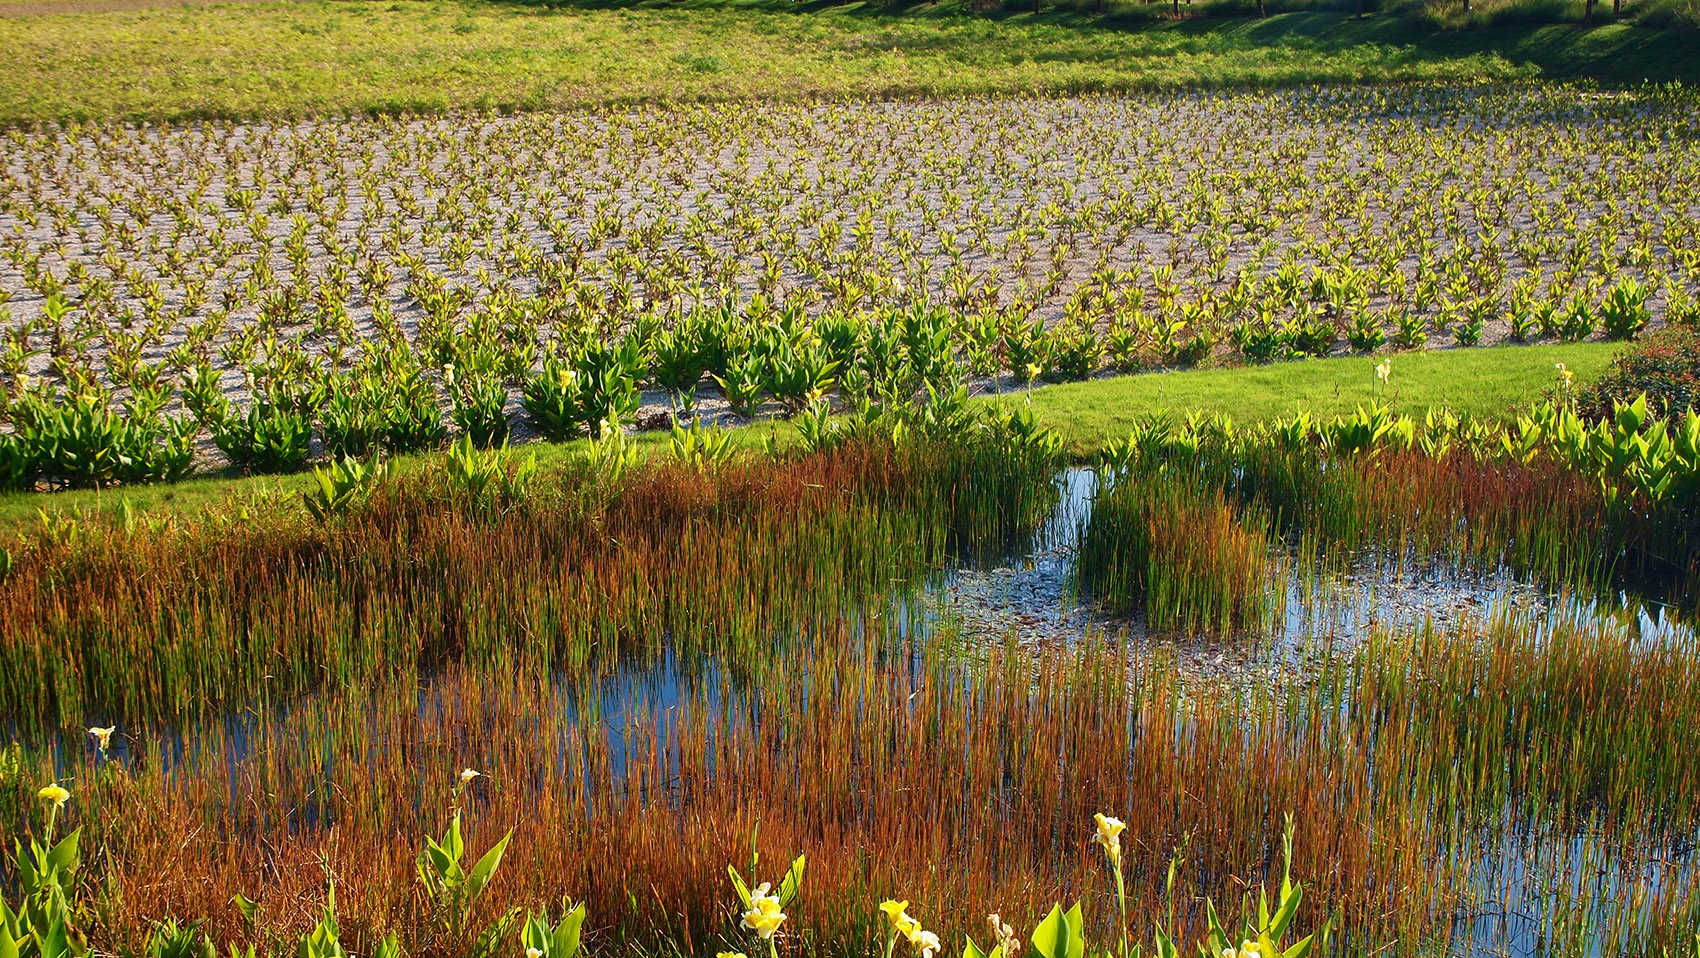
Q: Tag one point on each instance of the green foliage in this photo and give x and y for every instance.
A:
(1368, 430)
(80, 441)
(799, 376)
(1268, 928)
(558, 940)
(1623, 312)
(173, 940)
(609, 397)
(44, 872)
(743, 384)
(267, 438)
(452, 888)
(480, 409)
(346, 484)
(700, 448)
(553, 400)
(484, 478)
(1061, 934)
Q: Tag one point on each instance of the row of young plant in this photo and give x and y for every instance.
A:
(1275, 219)
(1187, 523)
(393, 397)
(51, 910)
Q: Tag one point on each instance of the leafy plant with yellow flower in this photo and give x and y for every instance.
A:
(763, 908)
(42, 926)
(452, 888)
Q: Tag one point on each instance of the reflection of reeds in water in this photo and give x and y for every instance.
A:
(1414, 770)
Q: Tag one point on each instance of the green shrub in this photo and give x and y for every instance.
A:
(267, 438)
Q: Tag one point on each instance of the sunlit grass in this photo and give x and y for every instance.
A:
(324, 57)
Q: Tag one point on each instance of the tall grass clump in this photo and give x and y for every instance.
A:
(1180, 551)
(1553, 496)
(1417, 770)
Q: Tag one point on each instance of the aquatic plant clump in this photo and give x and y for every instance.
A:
(1179, 552)
(601, 563)
(1592, 505)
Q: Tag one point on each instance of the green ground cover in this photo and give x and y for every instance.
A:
(327, 57)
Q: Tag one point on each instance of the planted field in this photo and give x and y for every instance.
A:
(262, 295)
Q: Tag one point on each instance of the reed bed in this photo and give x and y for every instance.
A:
(217, 613)
(1180, 551)
(649, 671)
(1418, 772)
(1538, 519)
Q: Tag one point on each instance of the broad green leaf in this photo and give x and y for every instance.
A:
(1284, 914)
(565, 942)
(1076, 925)
(793, 881)
(1050, 939)
(1165, 945)
(486, 867)
(1218, 938)
(738, 886)
(249, 908)
(534, 935)
(64, 858)
(452, 842)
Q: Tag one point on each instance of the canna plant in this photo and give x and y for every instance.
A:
(342, 487)
(700, 449)
(540, 939)
(1264, 933)
(483, 477)
(452, 888)
(553, 400)
(43, 925)
(762, 907)
(743, 384)
(479, 408)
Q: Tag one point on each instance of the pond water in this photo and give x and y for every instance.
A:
(1534, 890)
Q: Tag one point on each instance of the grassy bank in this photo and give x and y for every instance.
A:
(1479, 382)
(327, 57)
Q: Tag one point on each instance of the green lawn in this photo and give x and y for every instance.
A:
(1494, 382)
(341, 56)
(1483, 382)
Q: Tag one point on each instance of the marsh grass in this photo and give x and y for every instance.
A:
(208, 613)
(1179, 551)
(643, 671)
(1414, 767)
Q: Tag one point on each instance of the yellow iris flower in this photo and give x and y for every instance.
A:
(1110, 836)
(764, 916)
(898, 912)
